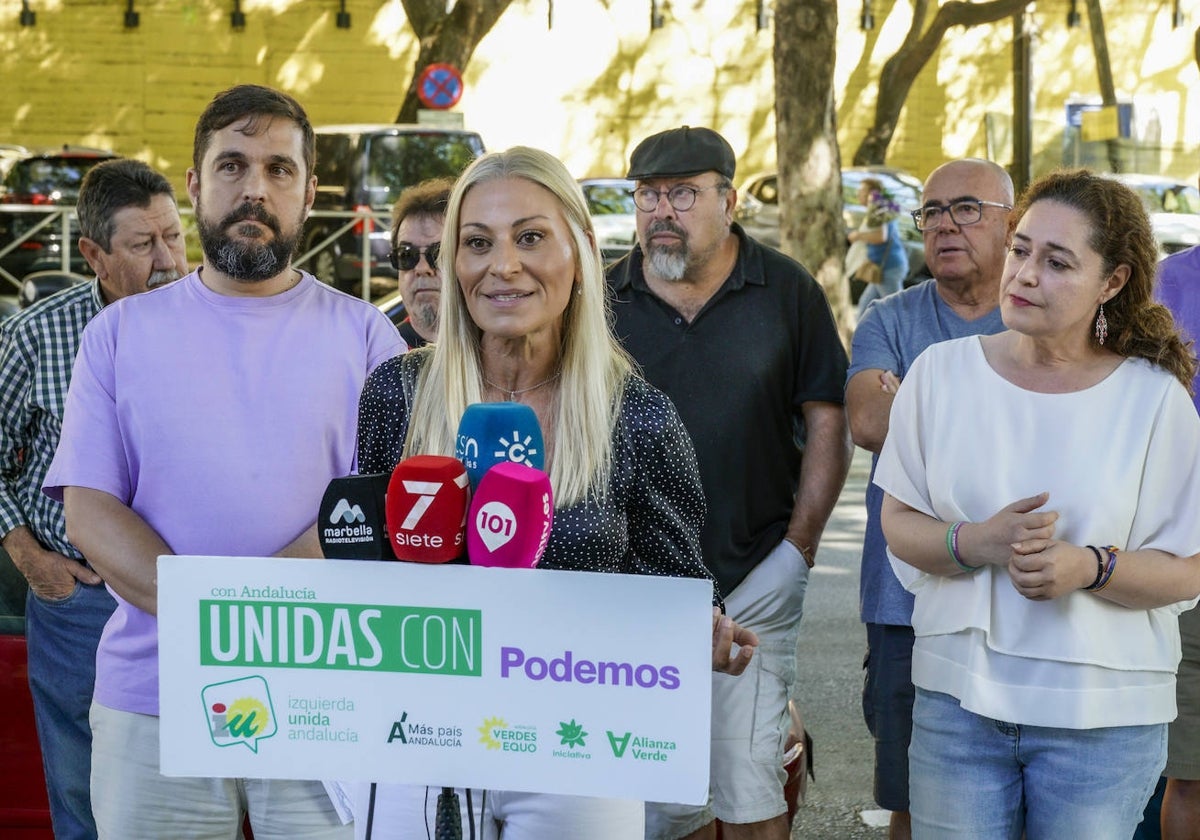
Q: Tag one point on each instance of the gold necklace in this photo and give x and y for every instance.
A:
(512, 395)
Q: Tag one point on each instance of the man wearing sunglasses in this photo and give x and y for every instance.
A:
(417, 221)
(964, 219)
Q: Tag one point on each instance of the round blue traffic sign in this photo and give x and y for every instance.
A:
(440, 86)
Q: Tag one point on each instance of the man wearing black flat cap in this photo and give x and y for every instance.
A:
(743, 341)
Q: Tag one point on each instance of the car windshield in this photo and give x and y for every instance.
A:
(396, 161)
(54, 178)
(610, 199)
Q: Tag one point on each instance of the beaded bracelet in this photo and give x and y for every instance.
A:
(952, 547)
(1109, 569)
(1099, 570)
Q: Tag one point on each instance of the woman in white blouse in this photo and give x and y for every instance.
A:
(1043, 490)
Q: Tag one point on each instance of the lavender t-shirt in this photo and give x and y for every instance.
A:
(1179, 290)
(219, 420)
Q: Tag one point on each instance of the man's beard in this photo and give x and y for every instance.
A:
(667, 262)
(247, 260)
(426, 315)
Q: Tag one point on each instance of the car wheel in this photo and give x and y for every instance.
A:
(324, 266)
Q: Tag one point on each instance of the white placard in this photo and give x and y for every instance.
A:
(528, 680)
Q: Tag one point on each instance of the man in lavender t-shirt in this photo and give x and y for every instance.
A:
(206, 417)
(1179, 289)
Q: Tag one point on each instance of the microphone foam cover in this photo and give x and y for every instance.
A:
(493, 433)
(511, 514)
(350, 520)
(426, 508)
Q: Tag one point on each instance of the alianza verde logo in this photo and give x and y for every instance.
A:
(239, 712)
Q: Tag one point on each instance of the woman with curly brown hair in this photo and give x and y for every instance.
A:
(1041, 506)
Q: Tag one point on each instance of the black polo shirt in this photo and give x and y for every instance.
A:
(411, 337)
(763, 345)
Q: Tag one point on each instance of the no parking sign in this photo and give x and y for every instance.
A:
(440, 86)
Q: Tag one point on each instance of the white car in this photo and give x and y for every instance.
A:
(610, 201)
(1174, 208)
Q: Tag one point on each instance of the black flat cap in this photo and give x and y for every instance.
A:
(681, 151)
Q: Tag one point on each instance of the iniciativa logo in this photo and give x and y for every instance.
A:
(343, 511)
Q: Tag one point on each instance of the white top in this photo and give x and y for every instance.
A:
(1121, 461)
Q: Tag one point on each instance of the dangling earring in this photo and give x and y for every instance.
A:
(1101, 326)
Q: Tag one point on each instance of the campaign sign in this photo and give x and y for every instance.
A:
(453, 675)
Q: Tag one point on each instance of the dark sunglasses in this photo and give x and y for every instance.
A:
(406, 257)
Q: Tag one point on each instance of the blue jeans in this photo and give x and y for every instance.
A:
(970, 776)
(61, 637)
(892, 282)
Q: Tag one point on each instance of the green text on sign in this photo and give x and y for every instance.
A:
(344, 637)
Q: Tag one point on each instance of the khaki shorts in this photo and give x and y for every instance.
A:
(750, 719)
(1183, 734)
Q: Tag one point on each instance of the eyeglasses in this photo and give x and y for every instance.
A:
(406, 257)
(680, 197)
(966, 211)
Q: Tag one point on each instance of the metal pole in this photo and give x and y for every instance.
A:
(368, 225)
(1022, 103)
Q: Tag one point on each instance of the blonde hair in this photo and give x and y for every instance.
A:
(594, 367)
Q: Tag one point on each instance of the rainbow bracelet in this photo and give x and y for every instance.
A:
(952, 547)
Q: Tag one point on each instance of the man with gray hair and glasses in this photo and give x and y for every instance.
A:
(964, 220)
(132, 238)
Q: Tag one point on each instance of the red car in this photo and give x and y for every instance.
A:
(24, 810)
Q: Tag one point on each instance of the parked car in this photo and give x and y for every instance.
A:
(759, 200)
(392, 305)
(761, 193)
(10, 153)
(24, 809)
(42, 284)
(49, 178)
(363, 168)
(610, 201)
(1174, 208)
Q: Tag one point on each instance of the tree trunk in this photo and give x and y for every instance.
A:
(807, 148)
(900, 71)
(1108, 91)
(446, 38)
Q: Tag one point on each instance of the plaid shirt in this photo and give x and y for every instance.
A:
(37, 352)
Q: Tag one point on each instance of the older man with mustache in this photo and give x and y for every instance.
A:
(742, 340)
(132, 238)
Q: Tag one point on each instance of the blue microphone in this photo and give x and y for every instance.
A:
(497, 433)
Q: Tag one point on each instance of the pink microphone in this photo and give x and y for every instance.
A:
(510, 517)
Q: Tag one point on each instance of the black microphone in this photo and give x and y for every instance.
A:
(448, 820)
(352, 521)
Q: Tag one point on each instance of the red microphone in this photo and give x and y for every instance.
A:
(511, 514)
(426, 508)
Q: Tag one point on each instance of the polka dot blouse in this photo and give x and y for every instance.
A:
(649, 520)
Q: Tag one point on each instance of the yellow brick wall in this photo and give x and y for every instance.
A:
(587, 88)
